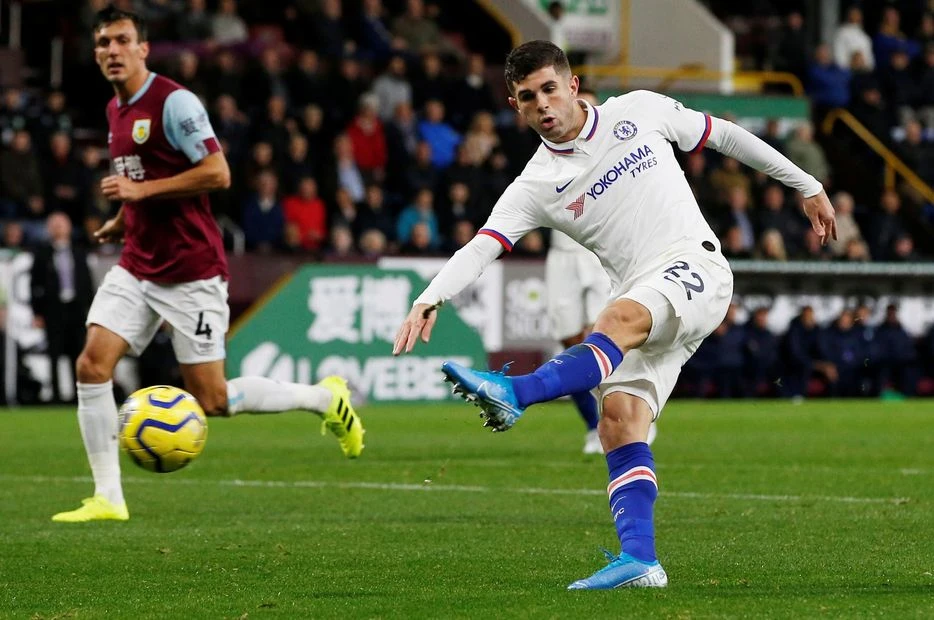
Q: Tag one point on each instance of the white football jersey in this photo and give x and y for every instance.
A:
(616, 189)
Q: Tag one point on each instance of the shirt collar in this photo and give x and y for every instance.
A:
(587, 132)
(141, 91)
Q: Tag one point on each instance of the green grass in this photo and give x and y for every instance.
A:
(767, 510)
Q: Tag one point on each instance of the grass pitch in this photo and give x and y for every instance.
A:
(766, 510)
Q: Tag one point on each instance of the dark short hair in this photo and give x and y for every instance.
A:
(532, 56)
(110, 14)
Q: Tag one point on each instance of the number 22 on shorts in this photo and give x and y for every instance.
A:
(694, 284)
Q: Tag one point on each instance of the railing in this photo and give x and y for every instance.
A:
(893, 165)
(668, 77)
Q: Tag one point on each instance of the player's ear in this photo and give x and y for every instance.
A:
(144, 49)
(575, 85)
(513, 103)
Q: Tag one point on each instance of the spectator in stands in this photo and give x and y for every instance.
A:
(344, 172)
(437, 132)
(430, 82)
(319, 136)
(925, 93)
(789, 49)
(54, 117)
(926, 29)
(419, 242)
(274, 127)
(401, 143)
(261, 159)
(828, 85)
(738, 217)
(328, 29)
(803, 354)
(297, 165)
(811, 247)
(420, 211)
(695, 171)
(808, 154)
(773, 136)
(481, 138)
(93, 201)
(887, 226)
(460, 235)
(733, 245)
(63, 180)
(373, 32)
(519, 144)
(856, 251)
(194, 23)
(421, 173)
(847, 228)
(375, 215)
(896, 355)
(761, 354)
(187, 73)
(869, 109)
(232, 126)
(418, 31)
(226, 77)
(903, 250)
(304, 80)
(227, 27)
(459, 206)
(264, 81)
(368, 140)
(346, 212)
(20, 181)
(851, 38)
(373, 243)
(771, 246)
(495, 179)
(464, 170)
(916, 152)
(897, 84)
(775, 215)
(471, 94)
(344, 92)
(392, 88)
(531, 245)
(13, 236)
(890, 37)
(341, 243)
(306, 213)
(60, 293)
(728, 176)
(730, 361)
(263, 218)
(845, 350)
(13, 114)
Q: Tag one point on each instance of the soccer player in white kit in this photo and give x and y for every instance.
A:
(607, 177)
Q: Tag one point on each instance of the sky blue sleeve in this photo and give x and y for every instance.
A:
(187, 126)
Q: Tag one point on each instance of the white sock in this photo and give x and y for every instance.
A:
(262, 395)
(97, 417)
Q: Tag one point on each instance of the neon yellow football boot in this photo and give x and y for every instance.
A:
(341, 419)
(97, 508)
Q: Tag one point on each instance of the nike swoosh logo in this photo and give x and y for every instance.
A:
(563, 187)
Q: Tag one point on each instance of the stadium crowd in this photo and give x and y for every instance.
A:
(365, 128)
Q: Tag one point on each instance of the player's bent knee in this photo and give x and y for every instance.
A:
(91, 369)
(626, 322)
(625, 419)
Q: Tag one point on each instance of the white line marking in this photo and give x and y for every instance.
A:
(430, 487)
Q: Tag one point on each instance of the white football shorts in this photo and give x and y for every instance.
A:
(688, 298)
(578, 288)
(134, 309)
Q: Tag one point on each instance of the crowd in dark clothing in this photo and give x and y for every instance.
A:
(850, 357)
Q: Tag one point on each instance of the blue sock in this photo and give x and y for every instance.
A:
(577, 369)
(587, 406)
(633, 489)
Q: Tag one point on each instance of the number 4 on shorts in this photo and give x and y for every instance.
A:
(203, 328)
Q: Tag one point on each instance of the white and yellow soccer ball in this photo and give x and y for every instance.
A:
(162, 428)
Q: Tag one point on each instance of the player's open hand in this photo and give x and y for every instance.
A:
(111, 231)
(122, 189)
(419, 323)
(819, 210)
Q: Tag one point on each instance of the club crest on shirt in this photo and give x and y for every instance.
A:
(141, 130)
(625, 130)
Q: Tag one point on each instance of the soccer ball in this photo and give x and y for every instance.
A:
(162, 428)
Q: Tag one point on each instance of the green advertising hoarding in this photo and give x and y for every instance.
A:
(324, 320)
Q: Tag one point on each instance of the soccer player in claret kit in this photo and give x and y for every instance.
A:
(172, 268)
(607, 177)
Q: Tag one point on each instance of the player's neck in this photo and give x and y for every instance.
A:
(580, 119)
(128, 89)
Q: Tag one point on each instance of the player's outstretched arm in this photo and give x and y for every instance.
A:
(462, 269)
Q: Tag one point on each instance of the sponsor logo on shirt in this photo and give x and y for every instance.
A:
(577, 208)
(141, 129)
(625, 130)
(635, 162)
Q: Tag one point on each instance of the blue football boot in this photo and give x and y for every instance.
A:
(624, 571)
(491, 391)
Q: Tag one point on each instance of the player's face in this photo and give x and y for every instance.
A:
(118, 51)
(547, 101)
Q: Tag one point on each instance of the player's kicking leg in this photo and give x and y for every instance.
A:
(622, 325)
(97, 417)
(329, 399)
(624, 428)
